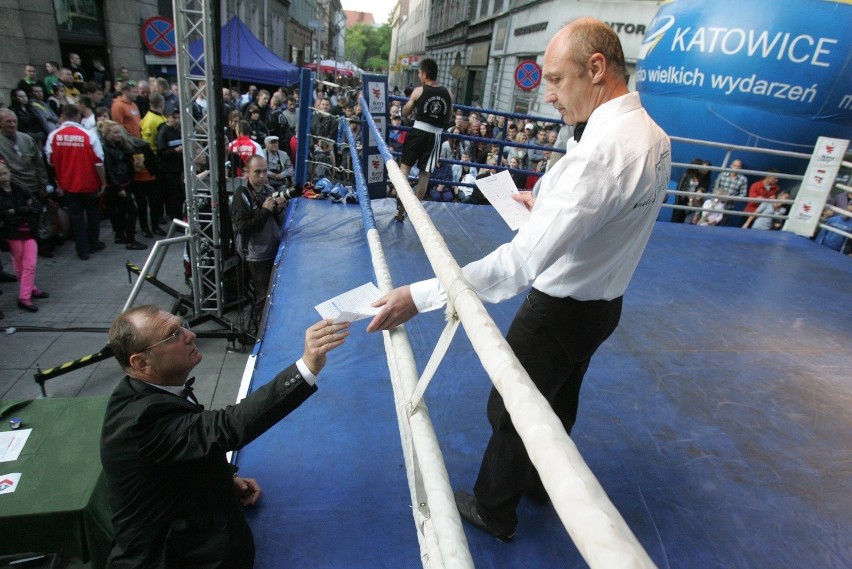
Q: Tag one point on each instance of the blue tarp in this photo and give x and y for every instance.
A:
(245, 58)
(716, 423)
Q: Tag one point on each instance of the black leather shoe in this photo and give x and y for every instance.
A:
(28, 307)
(40, 294)
(469, 510)
(146, 233)
(7, 277)
(136, 246)
(158, 231)
(98, 246)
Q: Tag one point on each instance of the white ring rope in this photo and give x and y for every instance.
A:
(597, 529)
(439, 529)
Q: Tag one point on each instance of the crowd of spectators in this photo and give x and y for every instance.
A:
(493, 150)
(480, 158)
(767, 206)
(80, 145)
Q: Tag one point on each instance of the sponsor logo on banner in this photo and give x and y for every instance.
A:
(375, 168)
(819, 177)
(828, 154)
(805, 211)
(378, 97)
(380, 126)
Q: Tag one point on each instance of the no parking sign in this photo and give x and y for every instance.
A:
(158, 35)
(527, 75)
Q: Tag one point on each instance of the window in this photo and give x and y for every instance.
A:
(483, 7)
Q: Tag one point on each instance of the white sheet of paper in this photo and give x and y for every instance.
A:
(12, 443)
(352, 305)
(498, 189)
(9, 482)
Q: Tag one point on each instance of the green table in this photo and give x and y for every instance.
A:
(61, 504)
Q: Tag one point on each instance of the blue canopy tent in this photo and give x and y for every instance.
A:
(245, 58)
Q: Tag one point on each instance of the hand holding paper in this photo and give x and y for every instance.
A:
(499, 189)
(351, 306)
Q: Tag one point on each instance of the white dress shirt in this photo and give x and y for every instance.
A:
(591, 220)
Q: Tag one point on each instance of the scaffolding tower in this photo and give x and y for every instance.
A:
(203, 156)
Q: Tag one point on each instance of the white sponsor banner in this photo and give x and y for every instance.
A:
(377, 97)
(816, 185)
(375, 168)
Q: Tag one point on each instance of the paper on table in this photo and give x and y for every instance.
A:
(351, 306)
(12, 443)
(9, 482)
(499, 188)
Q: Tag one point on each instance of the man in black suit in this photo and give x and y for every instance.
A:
(176, 500)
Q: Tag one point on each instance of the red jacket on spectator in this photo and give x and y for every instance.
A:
(75, 154)
(762, 189)
(244, 147)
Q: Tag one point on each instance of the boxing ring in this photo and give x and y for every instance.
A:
(712, 430)
(715, 418)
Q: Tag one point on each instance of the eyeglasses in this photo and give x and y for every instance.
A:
(178, 333)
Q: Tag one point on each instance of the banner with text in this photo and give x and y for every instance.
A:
(784, 56)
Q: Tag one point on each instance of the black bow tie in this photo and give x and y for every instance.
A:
(578, 130)
(187, 390)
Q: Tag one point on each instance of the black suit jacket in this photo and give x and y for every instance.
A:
(170, 486)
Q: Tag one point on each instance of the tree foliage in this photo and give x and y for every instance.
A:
(368, 47)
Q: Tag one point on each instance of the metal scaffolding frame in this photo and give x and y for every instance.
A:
(206, 198)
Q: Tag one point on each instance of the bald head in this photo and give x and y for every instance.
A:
(588, 36)
(583, 68)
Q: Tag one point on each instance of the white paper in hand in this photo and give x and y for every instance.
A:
(351, 306)
(499, 188)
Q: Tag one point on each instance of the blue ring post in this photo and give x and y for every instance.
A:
(306, 95)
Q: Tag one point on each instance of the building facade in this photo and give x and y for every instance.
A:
(38, 31)
(412, 27)
(479, 44)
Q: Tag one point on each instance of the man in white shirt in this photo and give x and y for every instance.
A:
(589, 225)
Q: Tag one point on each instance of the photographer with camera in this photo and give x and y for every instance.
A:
(257, 214)
(279, 167)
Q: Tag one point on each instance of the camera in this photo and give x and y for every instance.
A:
(288, 193)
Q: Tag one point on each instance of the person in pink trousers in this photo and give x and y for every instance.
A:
(19, 212)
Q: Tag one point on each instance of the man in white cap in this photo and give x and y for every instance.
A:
(279, 167)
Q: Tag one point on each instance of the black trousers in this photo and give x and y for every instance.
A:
(173, 196)
(147, 200)
(123, 214)
(260, 273)
(85, 213)
(554, 339)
